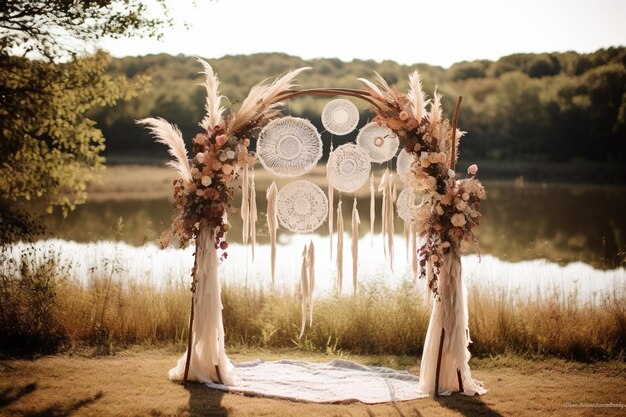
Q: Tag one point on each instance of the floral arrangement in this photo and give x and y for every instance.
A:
(203, 194)
(449, 212)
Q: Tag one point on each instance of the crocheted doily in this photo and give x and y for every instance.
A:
(380, 142)
(407, 201)
(348, 167)
(340, 117)
(289, 146)
(404, 164)
(302, 206)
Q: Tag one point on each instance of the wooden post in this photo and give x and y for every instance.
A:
(189, 341)
(455, 122)
(190, 335)
(443, 335)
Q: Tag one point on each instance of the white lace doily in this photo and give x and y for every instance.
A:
(407, 201)
(302, 206)
(404, 164)
(289, 146)
(380, 142)
(340, 117)
(348, 167)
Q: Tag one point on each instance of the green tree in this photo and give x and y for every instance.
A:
(49, 147)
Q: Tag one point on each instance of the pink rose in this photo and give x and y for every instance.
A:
(221, 140)
(473, 169)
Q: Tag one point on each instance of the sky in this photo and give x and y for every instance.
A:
(436, 32)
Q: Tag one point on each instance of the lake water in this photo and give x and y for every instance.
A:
(536, 240)
(559, 223)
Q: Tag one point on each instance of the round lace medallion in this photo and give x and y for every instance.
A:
(407, 201)
(302, 206)
(404, 165)
(349, 167)
(289, 146)
(340, 117)
(380, 142)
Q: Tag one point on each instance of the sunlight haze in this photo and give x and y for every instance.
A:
(436, 32)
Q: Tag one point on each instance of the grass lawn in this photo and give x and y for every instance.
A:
(134, 383)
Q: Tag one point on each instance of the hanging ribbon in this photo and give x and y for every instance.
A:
(355, 244)
(245, 206)
(331, 203)
(414, 259)
(304, 288)
(272, 225)
(372, 208)
(382, 186)
(252, 214)
(339, 248)
(311, 280)
(391, 192)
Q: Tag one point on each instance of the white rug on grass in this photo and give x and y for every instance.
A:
(336, 381)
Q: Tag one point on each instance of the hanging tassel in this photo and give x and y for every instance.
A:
(339, 248)
(272, 225)
(253, 214)
(382, 186)
(304, 288)
(331, 204)
(391, 196)
(372, 208)
(355, 244)
(414, 259)
(407, 238)
(311, 280)
(245, 205)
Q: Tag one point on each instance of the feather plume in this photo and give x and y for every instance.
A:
(169, 135)
(263, 98)
(416, 96)
(213, 105)
(435, 109)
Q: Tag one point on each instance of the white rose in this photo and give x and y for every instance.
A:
(206, 180)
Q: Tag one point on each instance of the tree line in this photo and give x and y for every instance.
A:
(523, 108)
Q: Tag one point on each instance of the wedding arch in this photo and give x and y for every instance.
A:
(444, 220)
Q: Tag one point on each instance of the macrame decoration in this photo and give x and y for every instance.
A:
(340, 117)
(406, 203)
(348, 167)
(289, 147)
(380, 142)
(372, 208)
(355, 244)
(405, 165)
(339, 248)
(302, 206)
(272, 225)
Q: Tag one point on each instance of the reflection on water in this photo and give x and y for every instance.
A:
(562, 223)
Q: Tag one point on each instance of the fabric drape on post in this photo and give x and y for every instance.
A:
(207, 350)
(449, 313)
